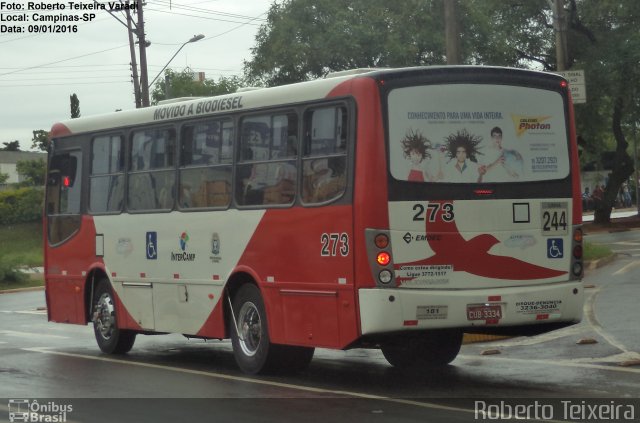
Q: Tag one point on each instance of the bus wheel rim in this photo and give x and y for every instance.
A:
(105, 316)
(250, 327)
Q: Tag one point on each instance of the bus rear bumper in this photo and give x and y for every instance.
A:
(402, 309)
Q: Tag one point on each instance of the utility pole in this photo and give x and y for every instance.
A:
(560, 26)
(144, 76)
(134, 62)
(452, 32)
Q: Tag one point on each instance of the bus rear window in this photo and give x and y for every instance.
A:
(466, 133)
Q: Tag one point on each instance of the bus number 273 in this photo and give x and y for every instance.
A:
(334, 244)
(431, 212)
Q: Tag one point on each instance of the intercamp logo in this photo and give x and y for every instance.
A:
(24, 410)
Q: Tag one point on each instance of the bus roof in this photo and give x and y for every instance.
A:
(244, 100)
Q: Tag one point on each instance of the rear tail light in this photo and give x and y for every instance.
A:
(383, 258)
(381, 241)
(577, 251)
(577, 267)
(380, 257)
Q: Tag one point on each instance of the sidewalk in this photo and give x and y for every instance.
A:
(621, 220)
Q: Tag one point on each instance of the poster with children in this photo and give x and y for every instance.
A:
(466, 133)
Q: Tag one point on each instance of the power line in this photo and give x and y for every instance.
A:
(173, 5)
(63, 60)
(248, 22)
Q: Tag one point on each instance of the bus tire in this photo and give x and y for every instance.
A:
(426, 351)
(110, 338)
(253, 351)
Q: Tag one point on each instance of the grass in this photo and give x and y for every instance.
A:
(21, 245)
(32, 281)
(595, 251)
(22, 242)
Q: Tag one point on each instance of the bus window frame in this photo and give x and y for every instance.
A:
(237, 160)
(70, 145)
(400, 189)
(123, 136)
(350, 107)
(222, 119)
(128, 160)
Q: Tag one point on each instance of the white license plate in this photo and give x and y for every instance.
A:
(484, 312)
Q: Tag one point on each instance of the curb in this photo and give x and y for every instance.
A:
(13, 291)
(596, 264)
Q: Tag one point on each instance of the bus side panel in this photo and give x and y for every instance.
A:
(66, 271)
(303, 259)
(370, 186)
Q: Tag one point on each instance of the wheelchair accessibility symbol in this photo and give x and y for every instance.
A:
(152, 245)
(555, 249)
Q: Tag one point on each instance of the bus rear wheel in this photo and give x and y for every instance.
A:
(110, 338)
(425, 351)
(252, 349)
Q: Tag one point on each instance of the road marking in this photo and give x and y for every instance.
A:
(626, 268)
(30, 334)
(427, 405)
(47, 350)
(590, 313)
(39, 312)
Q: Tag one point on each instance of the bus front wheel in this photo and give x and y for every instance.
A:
(110, 338)
(427, 350)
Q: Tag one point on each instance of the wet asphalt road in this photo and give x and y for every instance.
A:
(170, 378)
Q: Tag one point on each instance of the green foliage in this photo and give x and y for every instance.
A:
(34, 171)
(40, 140)
(9, 272)
(4, 177)
(596, 251)
(21, 205)
(11, 146)
(75, 106)
(21, 243)
(20, 247)
(306, 39)
(181, 84)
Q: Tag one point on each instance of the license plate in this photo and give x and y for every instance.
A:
(484, 312)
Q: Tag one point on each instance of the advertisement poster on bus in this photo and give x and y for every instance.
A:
(466, 133)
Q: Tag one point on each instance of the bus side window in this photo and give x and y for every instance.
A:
(64, 188)
(106, 186)
(151, 183)
(205, 165)
(267, 169)
(325, 154)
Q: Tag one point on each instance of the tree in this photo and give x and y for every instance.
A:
(40, 140)
(34, 171)
(606, 43)
(11, 146)
(306, 39)
(182, 84)
(75, 106)
(4, 177)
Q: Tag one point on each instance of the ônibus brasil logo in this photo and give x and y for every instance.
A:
(24, 410)
(183, 255)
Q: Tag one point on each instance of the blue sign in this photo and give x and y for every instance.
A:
(555, 248)
(151, 242)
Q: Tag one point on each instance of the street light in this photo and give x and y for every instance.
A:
(192, 40)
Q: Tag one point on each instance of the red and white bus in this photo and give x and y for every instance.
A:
(392, 209)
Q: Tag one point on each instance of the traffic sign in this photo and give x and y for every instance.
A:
(577, 85)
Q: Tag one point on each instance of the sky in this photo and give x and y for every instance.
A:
(40, 71)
